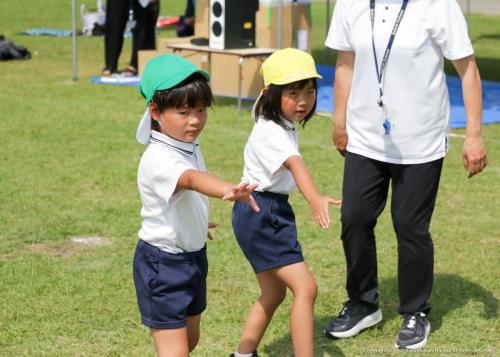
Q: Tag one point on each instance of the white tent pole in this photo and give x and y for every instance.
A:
(280, 24)
(328, 19)
(327, 16)
(468, 13)
(73, 13)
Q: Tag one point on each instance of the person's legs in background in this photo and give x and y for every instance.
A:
(189, 13)
(185, 27)
(116, 19)
(144, 32)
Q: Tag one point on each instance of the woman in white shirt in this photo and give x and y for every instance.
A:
(391, 122)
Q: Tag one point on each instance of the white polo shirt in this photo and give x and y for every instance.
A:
(414, 80)
(267, 148)
(174, 220)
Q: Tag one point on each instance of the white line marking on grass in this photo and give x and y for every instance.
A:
(453, 135)
(68, 248)
(89, 240)
(462, 136)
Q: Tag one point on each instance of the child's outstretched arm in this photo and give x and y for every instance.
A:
(305, 183)
(212, 186)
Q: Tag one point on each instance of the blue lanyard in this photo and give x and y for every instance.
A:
(380, 73)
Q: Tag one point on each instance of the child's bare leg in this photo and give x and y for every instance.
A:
(298, 278)
(193, 330)
(171, 342)
(273, 291)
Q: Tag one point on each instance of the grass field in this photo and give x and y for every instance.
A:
(68, 169)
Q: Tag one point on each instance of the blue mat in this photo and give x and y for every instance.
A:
(491, 98)
(49, 32)
(117, 80)
(59, 32)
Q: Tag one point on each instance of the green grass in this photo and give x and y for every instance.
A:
(68, 168)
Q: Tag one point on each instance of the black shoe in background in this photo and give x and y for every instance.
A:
(414, 331)
(353, 318)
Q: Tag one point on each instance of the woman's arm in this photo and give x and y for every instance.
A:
(473, 152)
(213, 186)
(305, 183)
(342, 86)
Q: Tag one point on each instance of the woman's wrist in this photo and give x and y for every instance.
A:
(474, 133)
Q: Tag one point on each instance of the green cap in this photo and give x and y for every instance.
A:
(164, 72)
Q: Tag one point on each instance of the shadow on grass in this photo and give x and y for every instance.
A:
(323, 347)
(491, 36)
(324, 56)
(488, 68)
(450, 292)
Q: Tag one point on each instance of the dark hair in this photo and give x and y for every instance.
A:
(269, 104)
(191, 92)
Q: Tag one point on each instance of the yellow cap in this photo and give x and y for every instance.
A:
(287, 66)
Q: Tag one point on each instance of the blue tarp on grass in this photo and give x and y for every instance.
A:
(491, 98)
(491, 95)
(117, 80)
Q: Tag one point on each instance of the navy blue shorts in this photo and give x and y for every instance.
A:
(267, 238)
(169, 287)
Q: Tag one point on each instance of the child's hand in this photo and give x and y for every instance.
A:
(211, 225)
(319, 208)
(242, 192)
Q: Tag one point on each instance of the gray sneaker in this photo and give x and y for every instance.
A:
(414, 331)
(352, 320)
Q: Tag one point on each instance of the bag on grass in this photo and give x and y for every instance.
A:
(10, 51)
(93, 22)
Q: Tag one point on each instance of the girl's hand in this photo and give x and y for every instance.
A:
(211, 225)
(242, 192)
(319, 208)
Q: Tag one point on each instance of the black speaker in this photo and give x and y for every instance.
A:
(232, 23)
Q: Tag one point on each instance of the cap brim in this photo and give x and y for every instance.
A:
(143, 133)
(294, 79)
(204, 74)
(171, 82)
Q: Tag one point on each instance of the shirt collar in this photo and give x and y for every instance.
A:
(287, 123)
(165, 140)
(290, 125)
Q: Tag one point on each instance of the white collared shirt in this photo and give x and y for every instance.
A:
(173, 220)
(414, 80)
(266, 150)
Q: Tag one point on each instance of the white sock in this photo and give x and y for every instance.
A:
(236, 354)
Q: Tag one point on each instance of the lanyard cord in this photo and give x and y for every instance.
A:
(380, 73)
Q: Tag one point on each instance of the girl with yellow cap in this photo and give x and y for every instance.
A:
(269, 238)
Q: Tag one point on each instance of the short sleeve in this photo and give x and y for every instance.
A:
(274, 145)
(164, 178)
(338, 35)
(449, 30)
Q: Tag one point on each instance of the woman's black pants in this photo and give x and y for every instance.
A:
(364, 195)
(143, 34)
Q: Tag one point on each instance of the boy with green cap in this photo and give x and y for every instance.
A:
(170, 262)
